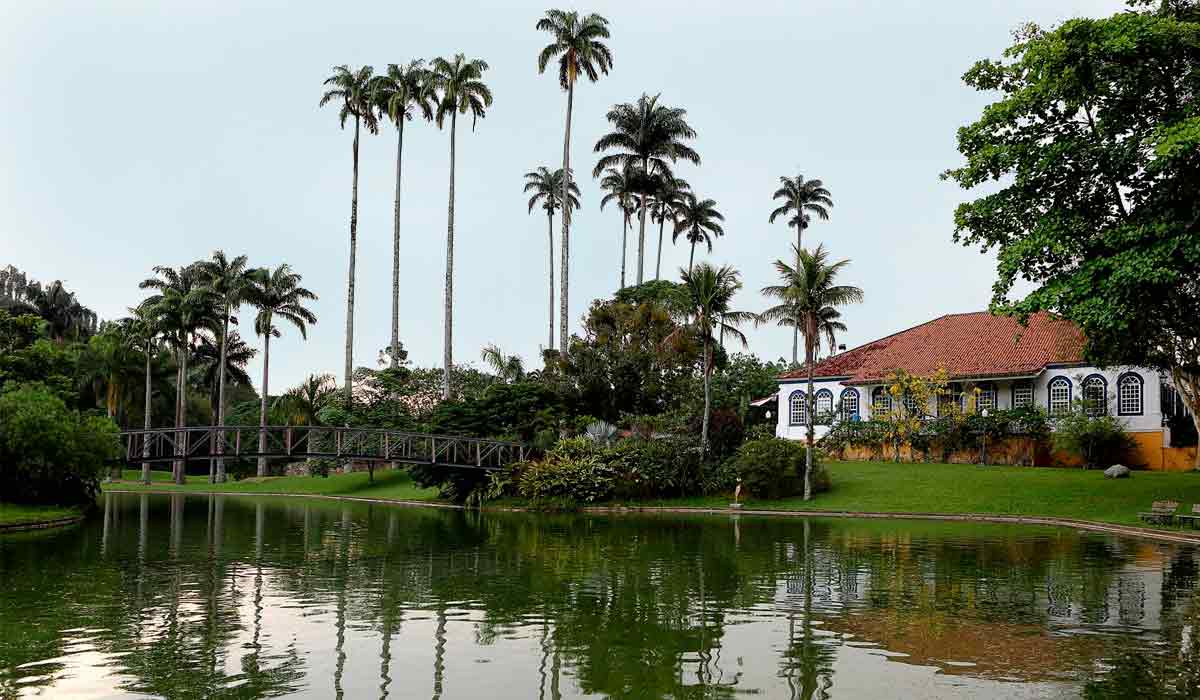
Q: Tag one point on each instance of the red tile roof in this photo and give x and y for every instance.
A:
(973, 345)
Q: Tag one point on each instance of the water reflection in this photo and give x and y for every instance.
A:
(228, 596)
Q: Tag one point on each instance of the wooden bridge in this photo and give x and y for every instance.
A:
(297, 442)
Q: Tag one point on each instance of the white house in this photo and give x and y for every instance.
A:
(1011, 365)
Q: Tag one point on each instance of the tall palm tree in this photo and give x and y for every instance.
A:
(669, 194)
(461, 89)
(400, 94)
(801, 199)
(786, 314)
(229, 280)
(183, 306)
(276, 294)
(621, 186)
(697, 220)
(649, 135)
(811, 291)
(65, 317)
(351, 90)
(145, 327)
(548, 188)
(710, 293)
(578, 46)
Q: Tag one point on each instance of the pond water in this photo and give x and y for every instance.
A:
(231, 596)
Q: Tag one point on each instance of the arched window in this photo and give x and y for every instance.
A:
(824, 407)
(1095, 395)
(881, 401)
(1022, 394)
(797, 408)
(849, 404)
(1058, 398)
(1129, 394)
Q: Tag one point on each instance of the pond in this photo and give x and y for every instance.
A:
(230, 596)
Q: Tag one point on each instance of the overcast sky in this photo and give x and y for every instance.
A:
(135, 134)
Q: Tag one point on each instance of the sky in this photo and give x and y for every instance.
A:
(135, 134)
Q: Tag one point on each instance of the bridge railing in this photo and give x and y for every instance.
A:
(308, 442)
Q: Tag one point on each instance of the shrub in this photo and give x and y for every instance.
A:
(655, 468)
(774, 468)
(48, 453)
(1098, 440)
(572, 471)
(725, 432)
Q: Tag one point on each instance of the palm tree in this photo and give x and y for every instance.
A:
(400, 94)
(65, 317)
(801, 198)
(650, 135)
(786, 313)
(228, 280)
(698, 220)
(668, 194)
(351, 89)
(183, 306)
(461, 87)
(509, 368)
(710, 292)
(144, 326)
(547, 188)
(303, 403)
(810, 291)
(276, 294)
(621, 186)
(578, 46)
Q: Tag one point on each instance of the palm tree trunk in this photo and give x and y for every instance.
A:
(550, 238)
(796, 329)
(641, 239)
(658, 263)
(262, 408)
(350, 278)
(146, 423)
(691, 256)
(707, 397)
(448, 338)
(808, 452)
(624, 245)
(220, 476)
(566, 225)
(181, 412)
(396, 250)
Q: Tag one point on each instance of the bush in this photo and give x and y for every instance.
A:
(48, 453)
(774, 468)
(659, 468)
(572, 471)
(1098, 440)
(725, 432)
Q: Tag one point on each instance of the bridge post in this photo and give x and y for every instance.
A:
(337, 439)
(432, 450)
(287, 440)
(237, 443)
(387, 447)
(479, 454)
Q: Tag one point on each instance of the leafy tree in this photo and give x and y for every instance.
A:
(697, 221)
(811, 289)
(1094, 142)
(802, 199)
(650, 137)
(399, 94)
(669, 195)
(547, 188)
(621, 187)
(461, 89)
(579, 47)
(26, 356)
(276, 294)
(509, 368)
(304, 403)
(352, 91)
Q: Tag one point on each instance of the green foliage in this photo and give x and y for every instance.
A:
(772, 468)
(1099, 440)
(941, 435)
(660, 468)
(725, 432)
(50, 454)
(573, 471)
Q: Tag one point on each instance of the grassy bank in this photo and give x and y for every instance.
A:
(857, 486)
(14, 515)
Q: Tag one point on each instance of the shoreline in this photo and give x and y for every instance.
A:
(1171, 536)
(42, 524)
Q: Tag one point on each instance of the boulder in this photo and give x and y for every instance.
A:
(1117, 471)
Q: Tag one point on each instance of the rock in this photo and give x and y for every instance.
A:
(1117, 471)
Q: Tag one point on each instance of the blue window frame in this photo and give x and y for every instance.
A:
(797, 408)
(1095, 394)
(848, 404)
(823, 407)
(1058, 396)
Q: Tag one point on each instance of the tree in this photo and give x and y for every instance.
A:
(669, 195)
(622, 188)
(1095, 142)
(802, 199)
(229, 280)
(578, 46)
(184, 305)
(144, 325)
(697, 221)
(352, 91)
(648, 135)
(547, 188)
(276, 294)
(810, 289)
(509, 368)
(710, 291)
(399, 94)
(303, 403)
(461, 87)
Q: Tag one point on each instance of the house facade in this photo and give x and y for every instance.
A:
(999, 362)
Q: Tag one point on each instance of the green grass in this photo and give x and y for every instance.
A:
(11, 514)
(394, 485)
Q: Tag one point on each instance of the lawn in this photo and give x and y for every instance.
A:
(11, 514)
(394, 485)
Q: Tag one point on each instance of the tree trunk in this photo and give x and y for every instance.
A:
(396, 250)
(550, 238)
(448, 338)
(810, 440)
(641, 239)
(146, 422)
(1188, 386)
(796, 329)
(350, 278)
(181, 412)
(220, 475)
(262, 408)
(563, 313)
(624, 245)
(707, 397)
(691, 256)
(658, 262)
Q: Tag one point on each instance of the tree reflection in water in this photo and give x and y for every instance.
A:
(229, 596)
